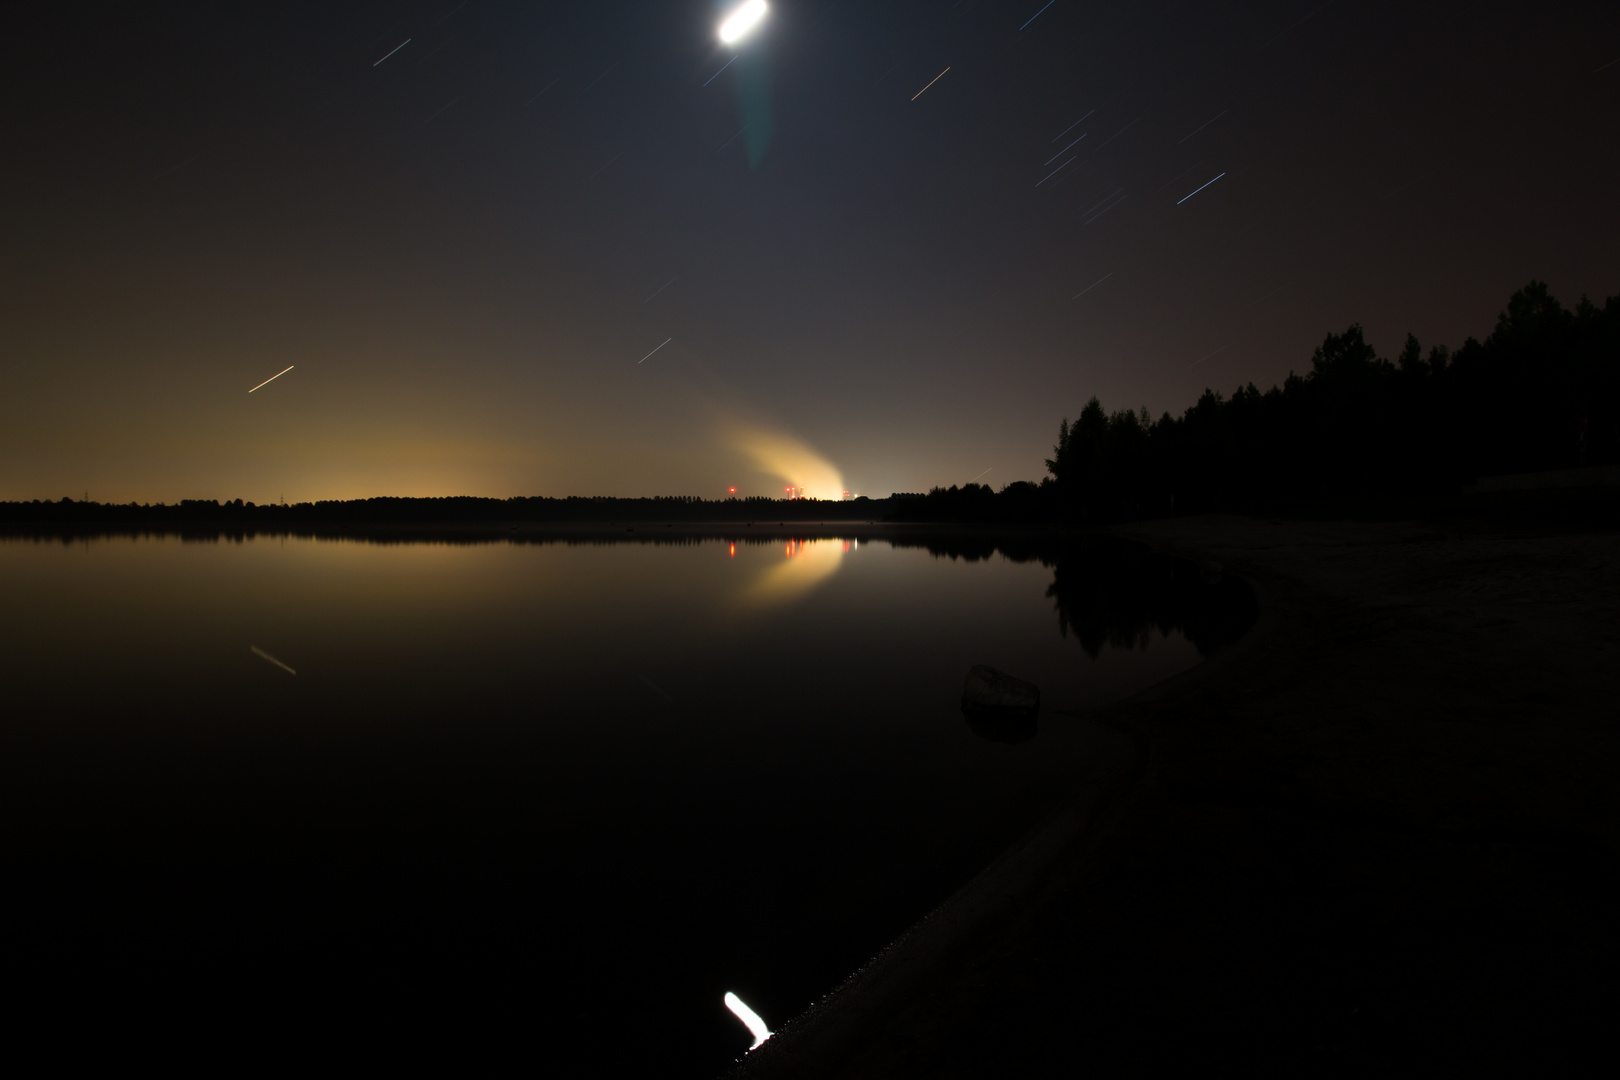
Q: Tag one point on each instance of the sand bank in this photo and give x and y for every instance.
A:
(1381, 828)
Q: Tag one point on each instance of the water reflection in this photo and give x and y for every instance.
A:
(1117, 595)
(569, 751)
(1013, 728)
(798, 567)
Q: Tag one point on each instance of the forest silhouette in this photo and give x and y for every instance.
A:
(1541, 392)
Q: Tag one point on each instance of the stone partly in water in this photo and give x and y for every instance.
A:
(990, 692)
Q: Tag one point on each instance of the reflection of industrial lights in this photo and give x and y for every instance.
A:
(741, 21)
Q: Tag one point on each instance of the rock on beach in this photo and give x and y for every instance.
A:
(990, 691)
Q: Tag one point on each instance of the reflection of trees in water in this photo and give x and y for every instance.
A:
(1107, 592)
(1115, 593)
(1118, 595)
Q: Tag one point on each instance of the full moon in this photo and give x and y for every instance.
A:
(741, 21)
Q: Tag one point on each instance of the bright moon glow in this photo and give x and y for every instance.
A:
(742, 20)
(756, 1026)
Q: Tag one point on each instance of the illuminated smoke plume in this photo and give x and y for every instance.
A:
(792, 463)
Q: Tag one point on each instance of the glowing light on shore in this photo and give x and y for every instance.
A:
(796, 465)
(741, 21)
(750, 1018)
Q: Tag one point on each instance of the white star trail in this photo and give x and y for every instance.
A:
(1037, 15)
(1105, 209)
(261, 654)
(1188, 196)
(655, 688)
(1055, 171)
(1063, 151)
(1072, 126)
(662, 287)
(604, 168)
(931, 82)
(273, 378)
(1206, 123)
(1104, 199)
(1093, 285)
(723, 67)
(644, 359)
(394, 50)
(537, 97)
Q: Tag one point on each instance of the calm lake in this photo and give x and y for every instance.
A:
(559, 792)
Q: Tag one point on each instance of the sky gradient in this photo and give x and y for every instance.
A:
(467, 248)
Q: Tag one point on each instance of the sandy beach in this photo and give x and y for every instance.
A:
(1378, 830)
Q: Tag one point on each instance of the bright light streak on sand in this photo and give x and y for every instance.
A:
(931, 82)
(750, 1018)
(742, 21)
(273, 378)
(261, 654)
(394, 50)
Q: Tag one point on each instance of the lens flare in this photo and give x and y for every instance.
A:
(741, 21)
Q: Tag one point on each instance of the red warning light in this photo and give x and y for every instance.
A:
(733, 491)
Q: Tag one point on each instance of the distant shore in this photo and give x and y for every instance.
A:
(432, 512)
(1570, 496)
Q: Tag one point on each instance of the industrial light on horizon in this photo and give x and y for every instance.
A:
(742, 21)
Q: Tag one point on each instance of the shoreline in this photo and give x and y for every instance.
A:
(1337, 839)
(543, 531)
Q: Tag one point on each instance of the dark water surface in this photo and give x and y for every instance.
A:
(554, 795)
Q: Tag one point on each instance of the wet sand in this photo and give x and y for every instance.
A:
(1379, 830)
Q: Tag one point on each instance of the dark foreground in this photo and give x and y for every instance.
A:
(1379, 831)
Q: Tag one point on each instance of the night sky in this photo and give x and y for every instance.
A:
(466, 248)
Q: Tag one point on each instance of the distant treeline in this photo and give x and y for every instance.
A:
(453, 510)
(1541, 392)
